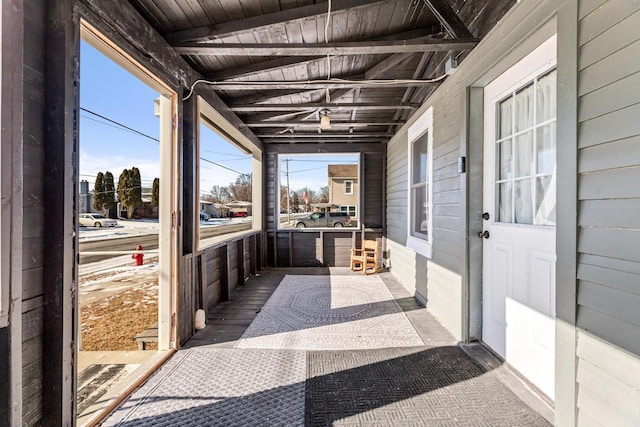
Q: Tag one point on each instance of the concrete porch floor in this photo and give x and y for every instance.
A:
(212, 380)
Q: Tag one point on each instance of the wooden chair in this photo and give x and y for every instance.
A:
(365, 259)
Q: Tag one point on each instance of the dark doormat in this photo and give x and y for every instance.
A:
(416, 386)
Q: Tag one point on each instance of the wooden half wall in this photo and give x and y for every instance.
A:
(324, 247)
(209, 276)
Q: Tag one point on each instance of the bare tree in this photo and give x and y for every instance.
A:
(220, 194)
(323, 196)
(241, 189)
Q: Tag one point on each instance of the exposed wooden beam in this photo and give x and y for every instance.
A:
(315, 49)
(266, 96)
(418, 72)
(260, 67)
(318, 84)
(315, 124)
(269, 117)
(327, 135)
(448, 18)
(375, 71)
(259, 22)
(280, 63)
(330, 106)
(321, 141)
(386, 64)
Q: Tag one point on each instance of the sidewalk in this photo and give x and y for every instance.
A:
(330, 347)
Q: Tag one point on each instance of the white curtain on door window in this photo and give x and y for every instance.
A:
(546, 97)
(524, 156)
(546, 151)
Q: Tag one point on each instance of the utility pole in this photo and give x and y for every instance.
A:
(288, 193)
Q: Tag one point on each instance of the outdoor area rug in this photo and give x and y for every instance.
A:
(439, 386)
(330, 313)
(220, 387)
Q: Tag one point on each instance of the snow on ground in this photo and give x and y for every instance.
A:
(139, 227)
(125, 228)
(101, 279)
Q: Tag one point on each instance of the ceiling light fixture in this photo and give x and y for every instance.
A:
(325, 121)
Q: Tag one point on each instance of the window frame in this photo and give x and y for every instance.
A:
(279, 182)
(348, 193)
(533, 81)
(207, 116)
(417, 241)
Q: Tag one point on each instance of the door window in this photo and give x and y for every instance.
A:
(526, 154)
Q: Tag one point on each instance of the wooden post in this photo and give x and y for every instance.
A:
(61, 55)
(240, 261)
(253, 254)
(225, 294)
(11, 217)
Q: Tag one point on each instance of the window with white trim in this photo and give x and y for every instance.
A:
(348, 187)
(526, 154)
(420, 177)
(226, 164)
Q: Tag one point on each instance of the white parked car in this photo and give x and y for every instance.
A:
(96, 220)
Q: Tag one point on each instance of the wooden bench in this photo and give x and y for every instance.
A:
(148, 335)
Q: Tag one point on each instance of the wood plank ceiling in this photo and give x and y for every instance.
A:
(281, 64)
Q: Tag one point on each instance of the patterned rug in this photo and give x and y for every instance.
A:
(330, 313)
(220, 387)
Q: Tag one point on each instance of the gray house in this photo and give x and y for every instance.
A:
(499, 162)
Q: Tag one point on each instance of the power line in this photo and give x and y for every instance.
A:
(152, 138)
(121, 125)
(323, 161)
(219, 165)
(240, 156)
(305, 170)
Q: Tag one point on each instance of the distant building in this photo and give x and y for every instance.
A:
(147, 210)
(324, 207)
(85, 201)
(213, 210)
(343, 188)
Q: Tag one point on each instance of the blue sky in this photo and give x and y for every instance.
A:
(112, 92)
(109, 90)
(311, 170)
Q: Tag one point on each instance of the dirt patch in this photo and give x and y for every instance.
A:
(112, 323)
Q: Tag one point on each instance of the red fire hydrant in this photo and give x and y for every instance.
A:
(139, 256)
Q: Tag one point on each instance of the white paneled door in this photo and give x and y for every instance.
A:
(519, 226)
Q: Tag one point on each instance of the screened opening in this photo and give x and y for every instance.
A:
(126, 258)
(225, 180)
(319, 191)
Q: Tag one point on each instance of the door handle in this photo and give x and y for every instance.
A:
(483, 234)
(486, 216)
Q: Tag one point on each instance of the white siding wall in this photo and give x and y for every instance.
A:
(609, 378)
(436, 281)
(609, 202)
(445, 270)
(606, 383)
